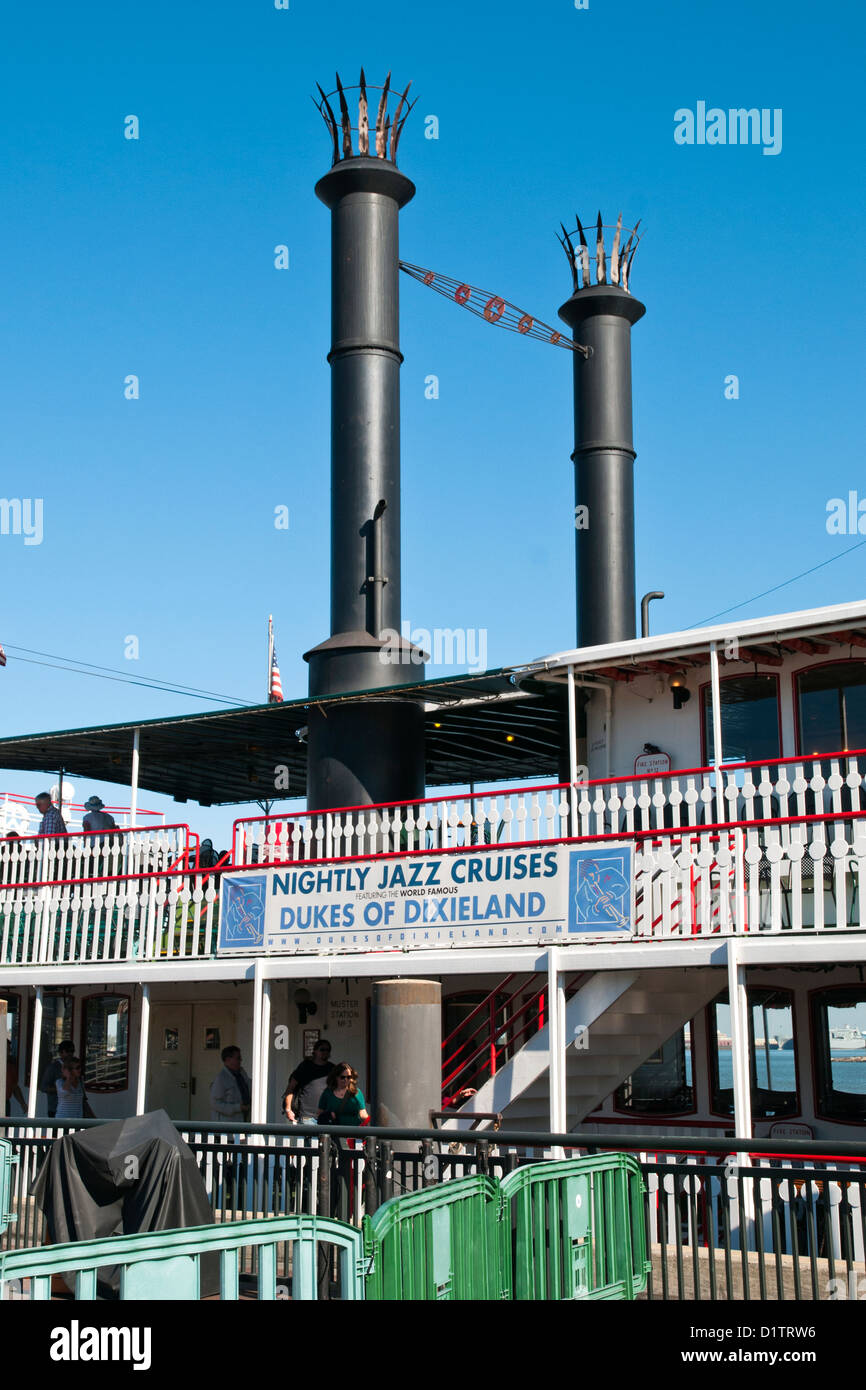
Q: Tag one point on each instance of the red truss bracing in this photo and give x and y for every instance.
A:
(492, 308)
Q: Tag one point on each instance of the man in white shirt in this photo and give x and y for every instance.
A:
(230, 1092)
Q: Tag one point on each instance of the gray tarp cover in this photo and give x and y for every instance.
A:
(88, 1188)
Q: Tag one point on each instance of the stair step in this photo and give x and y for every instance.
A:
(615, 1044)
(640, 1002)
(605, 1076)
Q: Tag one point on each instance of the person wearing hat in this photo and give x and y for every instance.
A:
(97, 817)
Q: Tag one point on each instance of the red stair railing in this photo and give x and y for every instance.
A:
(498, 1031)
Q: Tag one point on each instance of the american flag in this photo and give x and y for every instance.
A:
(275, 692)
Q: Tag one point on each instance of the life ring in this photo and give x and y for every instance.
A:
(429, 277)
(525, 323)
(493, 309)
(462, 293)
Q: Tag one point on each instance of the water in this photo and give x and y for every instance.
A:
(847, 1076)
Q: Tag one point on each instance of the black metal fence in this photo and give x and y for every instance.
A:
(750, 1219)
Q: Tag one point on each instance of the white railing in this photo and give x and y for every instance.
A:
(793, 787)
(160, 918)
(104, 854)
(457, 822)
(779, 877)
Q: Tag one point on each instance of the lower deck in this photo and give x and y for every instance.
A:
(647, 1033)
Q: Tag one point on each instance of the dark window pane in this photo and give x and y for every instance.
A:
(662, 1085)
(750, 719)
(832, 703)
(774, 1067)
(13, 1022)
(106, 1042)
(838, 1019)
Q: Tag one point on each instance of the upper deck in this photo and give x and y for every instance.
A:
(788, 830)
(758, 827)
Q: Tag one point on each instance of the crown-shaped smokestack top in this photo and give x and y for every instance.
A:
(385, 133)
(621, 256)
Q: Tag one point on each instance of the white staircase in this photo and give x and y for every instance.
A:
(621, 1018)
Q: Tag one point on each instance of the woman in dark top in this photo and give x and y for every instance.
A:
(341, 1102)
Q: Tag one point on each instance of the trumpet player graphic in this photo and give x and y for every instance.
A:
(600, 892)
(243, 912)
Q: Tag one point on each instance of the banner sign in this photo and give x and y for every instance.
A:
(530, 896)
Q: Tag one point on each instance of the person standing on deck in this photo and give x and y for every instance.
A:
(13, 1090)
(305, 1085)
(341, 1101)
(72, 1103)
(97, 817)
(52, 823)
(53, 1072)
(230, 1093)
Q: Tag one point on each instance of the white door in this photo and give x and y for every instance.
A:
(213, 1028)
(168, 1073)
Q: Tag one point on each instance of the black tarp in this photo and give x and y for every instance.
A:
(129, 1175)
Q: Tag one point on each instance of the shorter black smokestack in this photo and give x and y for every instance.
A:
(600, 315)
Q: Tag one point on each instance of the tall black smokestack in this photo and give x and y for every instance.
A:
(601, 316)
(365, 752)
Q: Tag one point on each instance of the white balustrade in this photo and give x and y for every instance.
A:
(56, 859)
(161, 918)
(797, 788)
(125, 895)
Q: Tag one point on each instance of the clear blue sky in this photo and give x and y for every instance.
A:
(155, 257)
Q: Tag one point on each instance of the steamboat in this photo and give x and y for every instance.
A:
(591, 890)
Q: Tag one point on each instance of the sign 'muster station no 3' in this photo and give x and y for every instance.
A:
(492, 898)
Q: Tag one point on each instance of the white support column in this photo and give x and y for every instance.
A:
(716, 698)
(265, 1052)
(133, 799)
(33, 1088)
(740, 1058)
(255, 1079)
(556, 1044)
(572, 753)
(143, 1038)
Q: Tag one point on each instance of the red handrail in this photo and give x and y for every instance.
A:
(562, 786)
(64, 836)
(498, 1022)
(468, 1019)
(179, 867)
(659, 832)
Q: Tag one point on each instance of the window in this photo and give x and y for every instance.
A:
(838, 1024)
(106, 1042)
(831, 704)
(750, 719)
(57, 1019)
(13, 1026)
(773, 1057)
(662, 1085)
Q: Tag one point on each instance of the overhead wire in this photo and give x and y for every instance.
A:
(776, 587)
(193, 692)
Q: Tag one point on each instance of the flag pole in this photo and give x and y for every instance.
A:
(270, 654)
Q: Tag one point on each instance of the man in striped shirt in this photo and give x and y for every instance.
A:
(52, 823)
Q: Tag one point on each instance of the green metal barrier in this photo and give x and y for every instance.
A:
(560, 1230)
(576, 1228)
(7, 1158)
(443, 1242)
(166, 1264)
